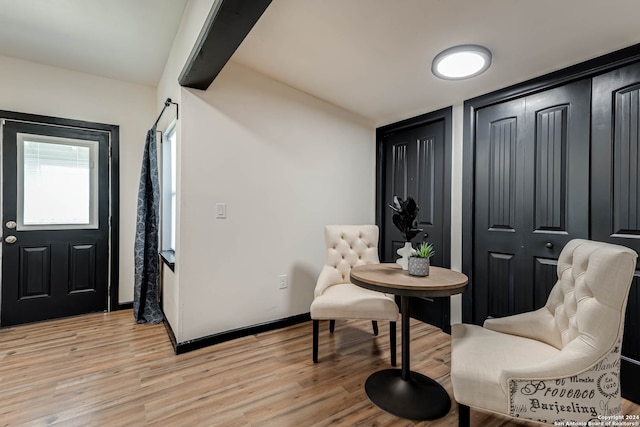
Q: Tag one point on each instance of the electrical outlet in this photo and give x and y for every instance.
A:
(282, 281)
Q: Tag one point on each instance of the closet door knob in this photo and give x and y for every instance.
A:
(549, 245)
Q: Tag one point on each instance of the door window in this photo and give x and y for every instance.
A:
(57, 183)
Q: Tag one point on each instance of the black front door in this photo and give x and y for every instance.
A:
(531, 196)
(55, 230)
(415, 164)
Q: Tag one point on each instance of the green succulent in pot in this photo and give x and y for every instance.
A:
(425, 250)
(419, 260)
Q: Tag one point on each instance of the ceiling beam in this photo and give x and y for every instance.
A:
(227, 25)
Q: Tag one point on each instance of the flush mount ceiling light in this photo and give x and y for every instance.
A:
(461, 62)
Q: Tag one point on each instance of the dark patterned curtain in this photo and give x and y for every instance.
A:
(146, 305)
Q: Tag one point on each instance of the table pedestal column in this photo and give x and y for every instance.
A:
(404, 393)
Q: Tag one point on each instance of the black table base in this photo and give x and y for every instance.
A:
(404, 393)
(419, 398)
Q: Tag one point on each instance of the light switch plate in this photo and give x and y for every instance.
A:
(282, 281)
(221, 210)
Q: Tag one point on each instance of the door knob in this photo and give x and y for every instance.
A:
(11, 239)
(11, 224)
(549, 245)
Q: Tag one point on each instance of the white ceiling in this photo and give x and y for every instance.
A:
(371, 57)
(126, 40)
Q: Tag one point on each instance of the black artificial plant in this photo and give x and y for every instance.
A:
(404, 217)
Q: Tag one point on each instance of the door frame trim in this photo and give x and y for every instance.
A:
(587, 69)
(114, 189)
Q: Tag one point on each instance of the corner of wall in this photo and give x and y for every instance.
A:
(456, 205)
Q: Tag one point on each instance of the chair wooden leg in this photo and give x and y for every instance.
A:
(464, 415)
(392, 342)
(316, 327)
(332, 325)
(374, 323)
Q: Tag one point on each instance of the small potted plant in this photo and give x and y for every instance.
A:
(419, 260)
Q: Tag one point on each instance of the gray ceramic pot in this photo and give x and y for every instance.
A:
(418, 266)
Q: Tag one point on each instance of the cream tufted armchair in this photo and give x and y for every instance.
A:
(335, 297)
(559, 363)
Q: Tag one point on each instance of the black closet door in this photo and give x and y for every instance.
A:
(615, 197)
(531, 195)
(415, 165)
(498, 222)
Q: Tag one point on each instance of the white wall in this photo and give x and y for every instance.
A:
(33, 88)
(285, 164)
(193, 18)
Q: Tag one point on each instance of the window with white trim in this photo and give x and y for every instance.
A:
(169, 189)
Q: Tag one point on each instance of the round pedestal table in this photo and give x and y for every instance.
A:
(402, 392)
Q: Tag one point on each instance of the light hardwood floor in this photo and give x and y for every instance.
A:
(106, 370)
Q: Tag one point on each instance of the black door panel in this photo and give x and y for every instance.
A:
(531, 195)
(615, 196)
(54, 270)
(415, 165)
